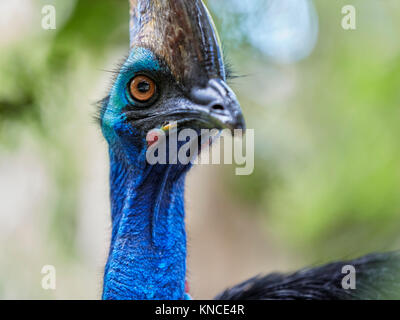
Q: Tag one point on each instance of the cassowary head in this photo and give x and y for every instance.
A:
(174, 73)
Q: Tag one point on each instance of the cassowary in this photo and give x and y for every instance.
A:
(175, 72)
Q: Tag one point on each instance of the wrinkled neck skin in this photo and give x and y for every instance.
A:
(147, 258)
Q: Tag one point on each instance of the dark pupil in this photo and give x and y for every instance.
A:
(143, 86)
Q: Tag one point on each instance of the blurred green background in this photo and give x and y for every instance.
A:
(324, 103)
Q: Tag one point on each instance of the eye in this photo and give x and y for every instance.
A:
(142, 88)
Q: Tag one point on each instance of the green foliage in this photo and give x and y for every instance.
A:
(38, 92)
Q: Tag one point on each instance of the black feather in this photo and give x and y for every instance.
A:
(377, 278)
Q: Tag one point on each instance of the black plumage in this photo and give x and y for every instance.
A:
(377, 278)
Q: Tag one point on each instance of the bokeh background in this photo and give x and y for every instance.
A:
(324, 103)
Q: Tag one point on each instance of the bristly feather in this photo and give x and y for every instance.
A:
(101, 107)
(230, 72)
(377, 278)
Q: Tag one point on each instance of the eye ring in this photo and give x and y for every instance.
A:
(142, 88)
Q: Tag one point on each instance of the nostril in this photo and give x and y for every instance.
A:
(218, 107)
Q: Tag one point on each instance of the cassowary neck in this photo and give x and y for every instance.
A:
(147, 258)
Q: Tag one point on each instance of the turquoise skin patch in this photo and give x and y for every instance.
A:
(139, 60)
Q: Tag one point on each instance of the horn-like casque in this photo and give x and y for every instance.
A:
(182, 34)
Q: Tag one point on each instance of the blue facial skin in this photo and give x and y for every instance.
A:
(113, 118)
(147, 257)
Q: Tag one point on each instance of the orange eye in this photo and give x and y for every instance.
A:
(142, 88)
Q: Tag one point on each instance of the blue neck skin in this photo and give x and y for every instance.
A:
(147, 258)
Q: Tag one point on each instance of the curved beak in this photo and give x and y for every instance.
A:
(220, 104)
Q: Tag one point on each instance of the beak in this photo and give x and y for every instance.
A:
(219, 104)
